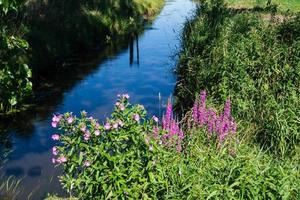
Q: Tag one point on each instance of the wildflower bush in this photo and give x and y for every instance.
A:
(250, 58)
(114, 160)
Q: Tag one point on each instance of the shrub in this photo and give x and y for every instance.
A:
(15, 85)
(114, 160)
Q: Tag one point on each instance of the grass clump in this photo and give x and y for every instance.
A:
(253, 61)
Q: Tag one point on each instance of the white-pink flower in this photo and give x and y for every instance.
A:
(107, 126)
(54, 124)
(136, 117)
(55, 137)
(121, 124)
(97, 132)
(70, 120)
(87, 163)
(115, 126)
(155, 118)
(126, 96)
(54, 151)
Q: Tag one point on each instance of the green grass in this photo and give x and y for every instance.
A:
(283, 5)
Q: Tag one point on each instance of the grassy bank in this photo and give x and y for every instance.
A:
(37, 38)
(57, 29)
(283, 5)
(252, 60)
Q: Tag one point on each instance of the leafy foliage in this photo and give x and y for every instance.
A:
(15, 85)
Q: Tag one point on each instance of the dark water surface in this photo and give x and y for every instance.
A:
(93, 86)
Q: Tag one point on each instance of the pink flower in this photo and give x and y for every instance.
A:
(126, 96)
(115, 126)
(122, 107)
(56, 118)
(107, 126)
(121, 124)
(55, 137)
(150, 148)
(136, 117)
(54, 124)
(83, 128)
(53, 160)
(118, 103)
(97, 132)
(70, 120)
(87, 163)
(54, 151)
(155, 118)
(62, 159)
(87, 136)
(97, 125)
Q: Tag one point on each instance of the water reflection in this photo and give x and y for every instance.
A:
(90, 82)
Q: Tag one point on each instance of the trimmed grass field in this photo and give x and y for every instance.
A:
(283, 5)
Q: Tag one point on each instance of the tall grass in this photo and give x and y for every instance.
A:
(254, 61)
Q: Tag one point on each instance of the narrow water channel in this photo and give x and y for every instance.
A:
(144, 70)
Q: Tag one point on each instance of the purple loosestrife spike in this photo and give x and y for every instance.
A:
(169, 110)
(227, 109)
(203, 98)
(195, 111)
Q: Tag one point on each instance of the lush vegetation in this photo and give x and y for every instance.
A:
(131, 156)
(15, 85)
(253, 60)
